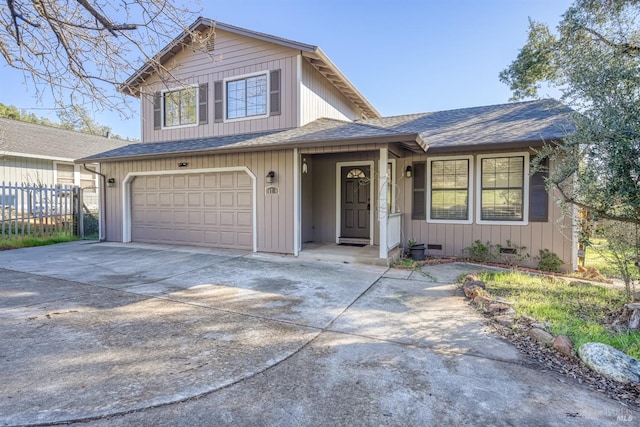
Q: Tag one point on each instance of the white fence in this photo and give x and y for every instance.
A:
(37, 210)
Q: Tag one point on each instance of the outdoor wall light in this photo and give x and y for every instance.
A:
(183, 164)
(271, 176)
(408, 172)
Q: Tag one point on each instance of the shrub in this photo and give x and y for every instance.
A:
(549, 261)
(479, 252)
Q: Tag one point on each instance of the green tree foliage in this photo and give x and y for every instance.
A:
(12, 112)
(593, 57)
(73, 118)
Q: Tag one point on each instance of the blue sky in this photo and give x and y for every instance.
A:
(404, 56)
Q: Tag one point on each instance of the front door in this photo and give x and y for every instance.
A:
(356, 204)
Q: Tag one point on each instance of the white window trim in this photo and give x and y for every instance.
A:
(162, 109)
(525, 198)
(470, 191)
(244, 77)
(76, 172)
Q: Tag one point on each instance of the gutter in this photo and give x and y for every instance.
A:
(102, 211)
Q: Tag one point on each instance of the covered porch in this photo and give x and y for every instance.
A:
(348, 203)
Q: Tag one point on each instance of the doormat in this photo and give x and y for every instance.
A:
(356, 245)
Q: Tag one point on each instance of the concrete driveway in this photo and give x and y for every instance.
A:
(122, 334)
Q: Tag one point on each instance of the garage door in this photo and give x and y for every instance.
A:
(204, 209)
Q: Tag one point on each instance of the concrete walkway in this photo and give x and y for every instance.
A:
(132, 334)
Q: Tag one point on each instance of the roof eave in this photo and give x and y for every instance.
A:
(403, 138)
(493, 146)
(341, 82)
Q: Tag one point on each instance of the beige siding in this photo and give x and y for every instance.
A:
(322, 199)
(319, 98)
(234, 55)
(27, 170)
(555, 235)
(274, 211)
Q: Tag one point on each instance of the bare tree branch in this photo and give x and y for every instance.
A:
(626, 48)
(80, 51)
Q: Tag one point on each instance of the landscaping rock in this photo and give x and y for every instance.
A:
(472, 291)
(505, 320)
(504, 301)
(478, 283)
(471, 278)
(610, 362)
(634, 314)
(539, 326)
(563, 344)
(541, 336)
(482, 300)
(497, 307)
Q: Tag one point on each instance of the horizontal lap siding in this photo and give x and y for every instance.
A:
(234, 55)
(555, 234)
(319, 98)
(274, 212)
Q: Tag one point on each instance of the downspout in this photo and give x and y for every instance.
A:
(102, 212)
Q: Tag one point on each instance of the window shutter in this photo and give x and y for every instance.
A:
(218, 107)
(419, 210)
(203, 98)
(538, 195)
(274, 93)
(157, 110)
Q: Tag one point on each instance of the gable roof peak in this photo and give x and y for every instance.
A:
(313, 54)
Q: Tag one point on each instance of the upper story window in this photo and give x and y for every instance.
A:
(504, 185)
(246, 97)
(180, 107)
(184, 106)
(250, 96)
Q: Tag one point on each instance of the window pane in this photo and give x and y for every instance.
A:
(236, 99)
(180, 107)
(502, 189)
(247, 97)
(449, 189)
(449, 204)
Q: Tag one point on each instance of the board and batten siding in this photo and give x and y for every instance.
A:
(320, 202)
(555, 234)
(274, 211)
(233, 55)
(26, 170)
(319, 98)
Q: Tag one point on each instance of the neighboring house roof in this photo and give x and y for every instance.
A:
(316, 57)
(25, 139)
(476, 127)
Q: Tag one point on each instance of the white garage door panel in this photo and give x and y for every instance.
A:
(209, 209)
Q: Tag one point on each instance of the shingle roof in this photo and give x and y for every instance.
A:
(17, 137)
(493, 124)
(469, 127)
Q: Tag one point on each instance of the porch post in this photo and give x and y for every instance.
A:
(382, 201)
(296, 202)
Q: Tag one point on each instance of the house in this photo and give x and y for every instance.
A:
(44, 155)
(261, 143)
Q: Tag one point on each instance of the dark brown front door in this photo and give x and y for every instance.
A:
(355, 202)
